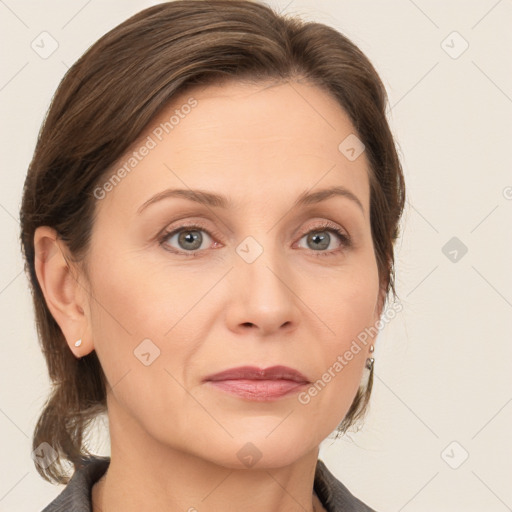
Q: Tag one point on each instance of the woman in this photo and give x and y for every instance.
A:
(208, 223)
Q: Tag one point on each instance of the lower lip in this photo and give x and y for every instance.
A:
(259, 390)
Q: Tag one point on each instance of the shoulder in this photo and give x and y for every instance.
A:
(334, 495)
(76, 496)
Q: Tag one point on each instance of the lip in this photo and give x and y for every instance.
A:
(256, 384)
(255, 373)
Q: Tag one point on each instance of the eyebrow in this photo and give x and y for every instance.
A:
(218, 201)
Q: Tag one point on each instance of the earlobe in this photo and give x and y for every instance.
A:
(63, 293)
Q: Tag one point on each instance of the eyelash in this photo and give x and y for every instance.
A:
(325, 226)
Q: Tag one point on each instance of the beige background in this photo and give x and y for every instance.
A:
(443, 365)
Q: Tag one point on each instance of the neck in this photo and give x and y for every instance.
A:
(98, 499)
(146, 475)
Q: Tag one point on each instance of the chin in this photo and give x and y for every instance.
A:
(269, 448)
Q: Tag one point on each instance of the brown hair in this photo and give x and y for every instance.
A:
(105, 102)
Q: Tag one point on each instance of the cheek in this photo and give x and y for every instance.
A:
(346, 308)
(140, 343)
(146, 347)
(132, 310)
(346, 301)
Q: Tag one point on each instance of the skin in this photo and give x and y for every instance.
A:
(174, 439)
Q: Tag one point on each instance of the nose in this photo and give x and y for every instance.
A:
(263, 295)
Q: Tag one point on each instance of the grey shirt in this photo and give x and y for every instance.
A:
(76, 496)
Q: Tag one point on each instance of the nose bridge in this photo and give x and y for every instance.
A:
(262, 282)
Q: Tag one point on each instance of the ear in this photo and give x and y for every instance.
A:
(65, 296)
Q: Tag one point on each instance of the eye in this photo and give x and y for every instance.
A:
(188, 238)
(319, 239)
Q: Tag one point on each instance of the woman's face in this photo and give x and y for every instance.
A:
(245, 282)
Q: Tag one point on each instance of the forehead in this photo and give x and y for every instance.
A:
(244, 139)
(266, 113)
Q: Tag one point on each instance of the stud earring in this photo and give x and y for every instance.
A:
(78, 343)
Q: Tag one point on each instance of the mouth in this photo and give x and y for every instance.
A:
(258, 384)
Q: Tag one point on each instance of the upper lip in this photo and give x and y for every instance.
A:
(255, 373)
